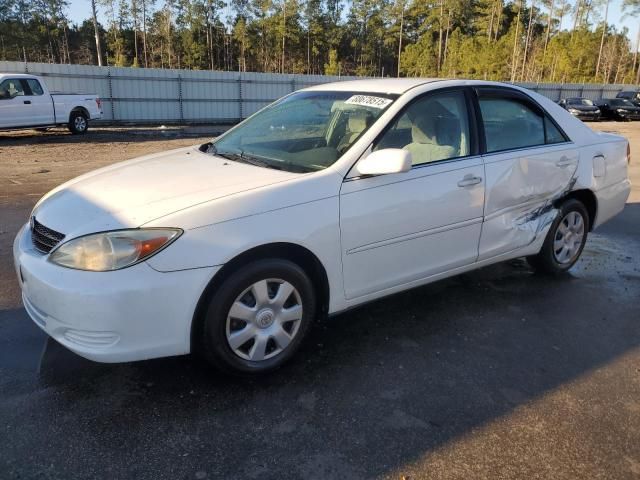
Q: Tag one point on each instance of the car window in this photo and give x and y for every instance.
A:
(34, 85)
(11, 88)
(554, 135)
(432, 128)
(509, 123)
(305, 131)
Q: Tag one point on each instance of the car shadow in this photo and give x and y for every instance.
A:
(400, 377)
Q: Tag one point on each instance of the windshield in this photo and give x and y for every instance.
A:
(580, 101)
(619, 102)
(304, 132)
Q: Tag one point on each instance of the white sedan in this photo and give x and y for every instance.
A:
(330, 197)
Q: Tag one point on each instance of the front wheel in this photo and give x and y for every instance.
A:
(78, 123)
(565, 241)
(258, 318)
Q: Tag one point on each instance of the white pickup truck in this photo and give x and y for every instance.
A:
(25, 102)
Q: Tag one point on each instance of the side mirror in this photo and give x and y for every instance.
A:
(385, 161)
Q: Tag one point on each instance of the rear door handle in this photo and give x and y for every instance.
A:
(27, 102)
(469, 180)
(564, 162)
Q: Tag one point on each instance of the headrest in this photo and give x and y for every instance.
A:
(423, 130)
(359, 121)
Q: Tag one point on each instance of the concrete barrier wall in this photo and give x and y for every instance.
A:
(137, 95)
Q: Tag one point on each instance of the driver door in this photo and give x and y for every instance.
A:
(13, 110)
(399, 229)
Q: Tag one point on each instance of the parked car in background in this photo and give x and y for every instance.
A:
(328, 198)
(632, 95)
(618, 109)
(582, 108)
(25, 102)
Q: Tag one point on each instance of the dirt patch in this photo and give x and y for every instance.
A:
(32, 163)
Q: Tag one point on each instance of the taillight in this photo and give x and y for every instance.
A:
(99, 103)
(628, 153)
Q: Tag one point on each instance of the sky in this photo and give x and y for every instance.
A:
(80, 10)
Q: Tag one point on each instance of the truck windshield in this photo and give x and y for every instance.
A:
(304, 132)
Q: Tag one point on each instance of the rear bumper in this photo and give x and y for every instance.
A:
(131, 314)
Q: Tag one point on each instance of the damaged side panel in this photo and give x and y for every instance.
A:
(521, 189)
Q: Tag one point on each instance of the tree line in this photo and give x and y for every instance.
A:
(514, 40)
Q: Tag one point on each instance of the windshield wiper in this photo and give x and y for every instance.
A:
(243, 158)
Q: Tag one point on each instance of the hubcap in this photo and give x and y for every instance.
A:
(80, 123)
(568, 238)
(264, 319)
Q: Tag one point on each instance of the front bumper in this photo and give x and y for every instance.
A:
(628, 116)
(587, 116)
(131, 314)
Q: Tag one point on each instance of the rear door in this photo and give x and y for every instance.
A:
(41, 105)
(529, 162)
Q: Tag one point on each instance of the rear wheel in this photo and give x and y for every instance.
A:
(259, 317)
(78, 123)
(565, 241)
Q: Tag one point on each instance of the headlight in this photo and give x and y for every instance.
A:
(102, 252)
(574, 111)
(621, 110)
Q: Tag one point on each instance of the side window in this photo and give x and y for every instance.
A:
(432, 128)
(11, 88)
(510, 123)
(34, 85)
(553, 134)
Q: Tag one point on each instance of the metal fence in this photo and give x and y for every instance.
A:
(136, 95)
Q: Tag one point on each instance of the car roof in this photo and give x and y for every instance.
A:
(16, 75)
(402, 85)
(379, 85)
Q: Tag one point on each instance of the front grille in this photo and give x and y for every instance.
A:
(44, 239)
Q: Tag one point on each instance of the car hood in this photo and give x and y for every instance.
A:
(583, 108)
(132, 193)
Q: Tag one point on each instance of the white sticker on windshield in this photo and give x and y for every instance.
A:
(368, 101)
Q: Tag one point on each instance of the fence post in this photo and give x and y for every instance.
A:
(240, 101)
(110, 83)
(180, 98)
(293, 85)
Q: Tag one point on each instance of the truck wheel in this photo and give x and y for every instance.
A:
(78, 123)
(565, 240)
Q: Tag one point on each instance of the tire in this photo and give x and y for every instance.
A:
(78, 123)
(234, 344)
(560, 252)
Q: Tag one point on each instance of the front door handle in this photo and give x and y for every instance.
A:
(469, 180)
(563, 162)
(27, 102)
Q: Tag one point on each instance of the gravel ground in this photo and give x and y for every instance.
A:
(495, 374)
